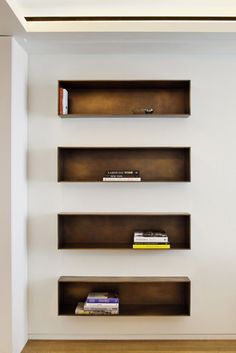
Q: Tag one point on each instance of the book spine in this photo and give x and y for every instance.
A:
(151, 239)
(96, 312)
(101, 309)
(102, 301)
(99, 313)
(65, 101)
(156, 242)
(61, 101)
(120, 179)
(121, 176)
(122, 172)
(149, 234)
(99, 306)
(151, 246)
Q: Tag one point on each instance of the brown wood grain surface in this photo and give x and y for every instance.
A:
(154, 296)
(110, 231)
(127, 346)
(127, 98)
(164, 164)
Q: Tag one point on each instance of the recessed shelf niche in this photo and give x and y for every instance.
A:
(139, 296)
(152, 98)
(116, 231)
(156, 164)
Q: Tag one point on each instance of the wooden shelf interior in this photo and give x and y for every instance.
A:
(154, 163)
(139, 296)
(116, 231)
(125, 98)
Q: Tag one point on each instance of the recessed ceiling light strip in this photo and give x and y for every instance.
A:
(132, 18)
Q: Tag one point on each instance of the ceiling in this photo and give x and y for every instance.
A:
(120, 37)
(11, 20)
(13, 13)
(127, 7)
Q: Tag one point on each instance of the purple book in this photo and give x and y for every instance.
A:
(105, 301)
(102, 297)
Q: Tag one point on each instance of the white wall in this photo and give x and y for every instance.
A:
(210, 197)
(13, 201)
(19, 141)
(5, 192)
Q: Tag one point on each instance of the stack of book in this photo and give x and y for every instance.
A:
(155, 239)
(122, 175)
(63, 101)
(99, 303)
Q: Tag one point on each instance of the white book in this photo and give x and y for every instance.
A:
(80, 310)
(65, 101)
(138, 239)
(121, 179)
(101, 306)
(112, 311)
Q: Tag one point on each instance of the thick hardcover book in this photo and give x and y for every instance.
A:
(63, 101)
(150, 239)
(81, 311)
(101, 301)
(122, 172)
(151, 246)
(103, 297)
(102, 312)
(101, 306)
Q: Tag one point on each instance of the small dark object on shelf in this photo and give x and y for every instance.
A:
(148, 110)
(144, 111)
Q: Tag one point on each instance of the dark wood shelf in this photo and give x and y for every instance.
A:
(88, 164)
(137, 310)
(154, 296)
(116, 231)
(167, 98)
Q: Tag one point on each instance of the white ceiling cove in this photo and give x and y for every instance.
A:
(128, 7)
(13, 13)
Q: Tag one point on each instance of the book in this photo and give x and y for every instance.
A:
(120, 179)
(63, 101)
(102, 297)
(79, 310)
(150, 233)
(101, 306)
(122, 172)
(151, 246)
(139, 239)
(121, 176)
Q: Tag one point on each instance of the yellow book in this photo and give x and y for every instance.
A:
(151, 246)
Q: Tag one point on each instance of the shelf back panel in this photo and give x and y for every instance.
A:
(125, 98)
(136, 298)
(94, 231)
(154, 164)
